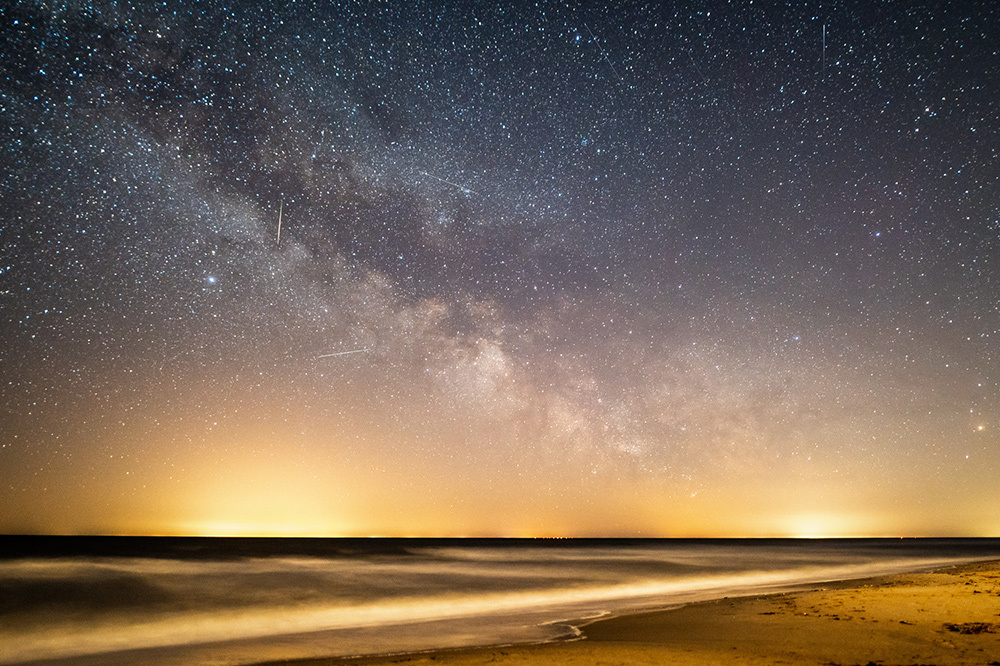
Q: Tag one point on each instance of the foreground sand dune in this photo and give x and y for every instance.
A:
(946, 617)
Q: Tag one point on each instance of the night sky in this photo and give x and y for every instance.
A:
(656, 269)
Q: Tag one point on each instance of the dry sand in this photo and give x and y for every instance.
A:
(947, 617)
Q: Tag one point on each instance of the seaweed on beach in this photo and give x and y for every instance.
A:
(972, 627)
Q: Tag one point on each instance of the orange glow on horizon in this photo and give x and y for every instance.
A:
(254, 493)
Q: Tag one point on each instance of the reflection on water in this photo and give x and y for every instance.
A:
(215, 601)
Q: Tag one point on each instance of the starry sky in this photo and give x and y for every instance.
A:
(515, 269)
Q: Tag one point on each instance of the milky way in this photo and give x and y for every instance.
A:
(546, 268)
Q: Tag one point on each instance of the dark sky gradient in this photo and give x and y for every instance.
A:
(656, 269)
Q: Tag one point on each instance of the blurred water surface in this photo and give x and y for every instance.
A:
(167, 601)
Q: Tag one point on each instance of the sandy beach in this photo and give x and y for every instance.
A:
(945, 617)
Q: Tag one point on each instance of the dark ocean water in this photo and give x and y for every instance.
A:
(86, 600)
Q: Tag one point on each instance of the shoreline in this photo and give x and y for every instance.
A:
(941, 615)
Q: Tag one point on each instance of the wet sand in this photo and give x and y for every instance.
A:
(946, 617)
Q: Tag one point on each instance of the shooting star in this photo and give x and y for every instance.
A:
(696, 67)
(352, 351)
(824, 50)
(461, 187)
(281, 207)
(594, 39)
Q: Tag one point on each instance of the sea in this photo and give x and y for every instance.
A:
(168, 601)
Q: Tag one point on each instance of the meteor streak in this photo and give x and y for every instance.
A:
(461, 187)
(280, 208)
(352, 351)
(594, 40)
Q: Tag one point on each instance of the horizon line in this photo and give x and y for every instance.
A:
(459, 537)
